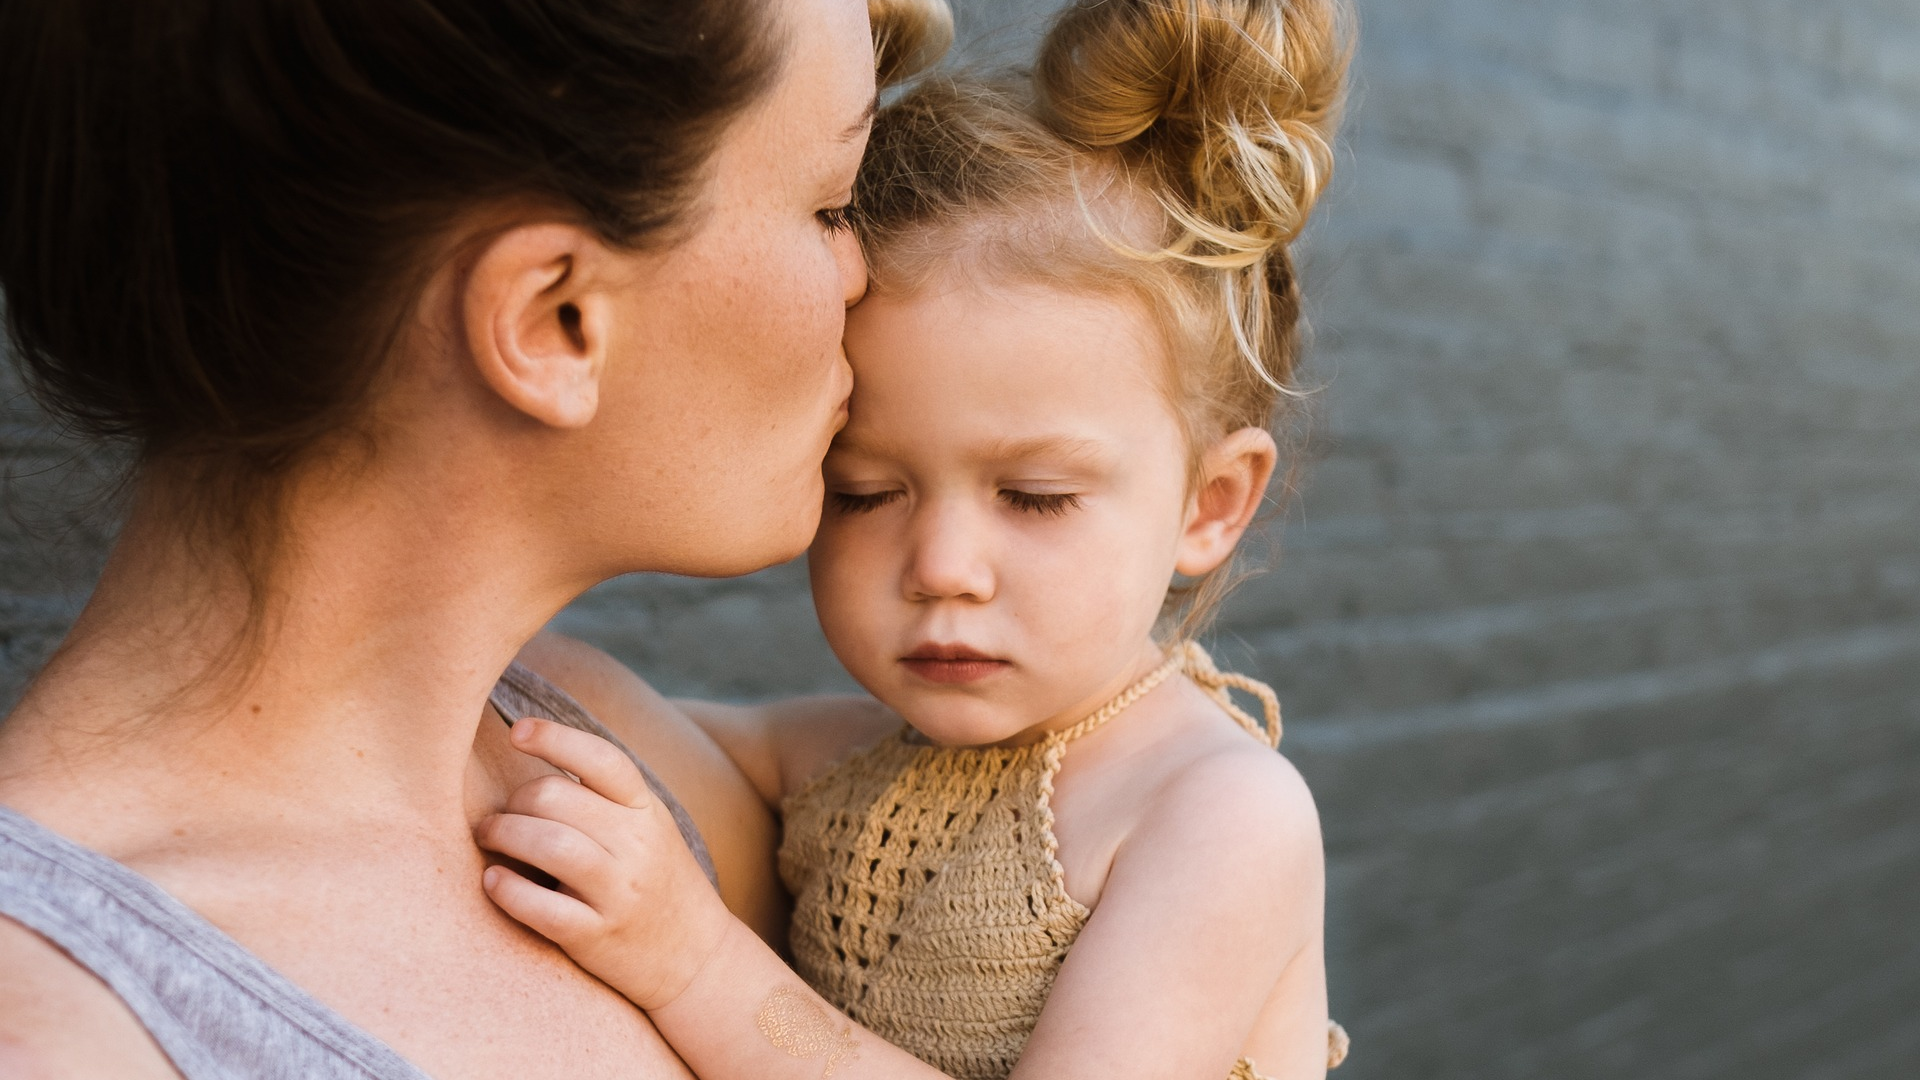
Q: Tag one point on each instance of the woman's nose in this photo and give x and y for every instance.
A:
(949, 559)
(852, 265)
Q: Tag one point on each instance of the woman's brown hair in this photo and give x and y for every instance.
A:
(214, 213)
(210, 206)
(1170, 149)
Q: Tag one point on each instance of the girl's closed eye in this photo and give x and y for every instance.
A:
(1037, 502)
(850, 502)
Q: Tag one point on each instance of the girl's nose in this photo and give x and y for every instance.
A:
(949, 559)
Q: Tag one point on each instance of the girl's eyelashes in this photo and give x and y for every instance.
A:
(847, 502)
(1027, 502)
(1040, 503)
(836, 219)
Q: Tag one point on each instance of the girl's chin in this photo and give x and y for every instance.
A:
(943, 727)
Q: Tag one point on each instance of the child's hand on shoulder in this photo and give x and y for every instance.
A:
(633, 906)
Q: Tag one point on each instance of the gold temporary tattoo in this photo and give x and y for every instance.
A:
(803, 1030)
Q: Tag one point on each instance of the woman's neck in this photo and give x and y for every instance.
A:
(386, 627)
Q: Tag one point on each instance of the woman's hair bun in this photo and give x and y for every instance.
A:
(1230, 104)
(909, 36)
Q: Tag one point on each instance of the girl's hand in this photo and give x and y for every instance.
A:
(633, 907)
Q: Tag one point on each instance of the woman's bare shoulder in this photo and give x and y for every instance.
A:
(734, 819)
(637, 714)
(778, 746)
(58, 1020)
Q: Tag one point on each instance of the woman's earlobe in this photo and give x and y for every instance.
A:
(536, 329)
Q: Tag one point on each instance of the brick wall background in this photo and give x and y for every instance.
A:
(1598, 621)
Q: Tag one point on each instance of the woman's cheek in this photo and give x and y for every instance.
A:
(801, 319)
(823, 297)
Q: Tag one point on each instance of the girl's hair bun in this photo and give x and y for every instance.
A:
(1230, 105)
(909, 36)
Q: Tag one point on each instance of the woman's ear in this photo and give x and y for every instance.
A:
(1233, 481)
(537, 324)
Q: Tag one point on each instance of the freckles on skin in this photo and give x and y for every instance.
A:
(728, 384)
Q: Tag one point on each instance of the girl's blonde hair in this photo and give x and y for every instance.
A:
(909, 36)
(1168, 149)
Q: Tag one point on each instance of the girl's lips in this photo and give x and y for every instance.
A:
(953, 671)
(952, 664)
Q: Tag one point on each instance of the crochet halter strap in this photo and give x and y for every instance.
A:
(1189, 659)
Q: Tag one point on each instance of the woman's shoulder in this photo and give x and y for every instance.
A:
(740, 831)
(603, 685)
(58, 1019)
(656, 729)
(777, 746)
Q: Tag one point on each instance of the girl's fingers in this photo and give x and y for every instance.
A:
(556, 916)
(559, 798)
(598, 763)
(629, 833)
(573, 857)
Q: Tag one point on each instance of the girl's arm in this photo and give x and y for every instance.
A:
(1207, 909)
(1212, 910)
(781, 745)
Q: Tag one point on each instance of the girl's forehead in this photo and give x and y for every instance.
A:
(973, 337)
(992, 324)
(1001, 371)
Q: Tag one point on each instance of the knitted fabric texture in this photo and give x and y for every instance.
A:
(929, 901)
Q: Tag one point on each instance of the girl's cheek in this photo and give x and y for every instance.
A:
(838, 579)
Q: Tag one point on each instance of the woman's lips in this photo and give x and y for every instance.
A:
(952, 664)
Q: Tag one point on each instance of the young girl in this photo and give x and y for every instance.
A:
(1079, 858)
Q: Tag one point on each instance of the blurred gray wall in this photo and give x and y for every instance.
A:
(1598, 622)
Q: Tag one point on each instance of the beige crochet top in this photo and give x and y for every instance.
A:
(928, 901)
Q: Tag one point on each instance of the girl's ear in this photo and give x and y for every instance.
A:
(1233, 480)
(537, 321)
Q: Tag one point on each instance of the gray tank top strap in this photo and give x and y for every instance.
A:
(217, 1011)
(522, 692)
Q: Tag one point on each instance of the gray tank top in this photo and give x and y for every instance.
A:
(216, 1010)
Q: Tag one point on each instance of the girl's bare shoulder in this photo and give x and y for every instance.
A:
(1189, 763)
(1243, 789)
(1190, 791)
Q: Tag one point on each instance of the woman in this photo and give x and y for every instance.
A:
(422, 318)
